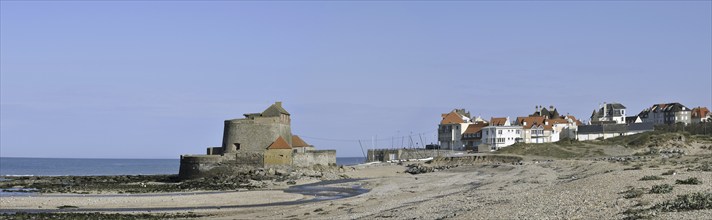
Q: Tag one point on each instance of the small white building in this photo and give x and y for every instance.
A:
(500, 134)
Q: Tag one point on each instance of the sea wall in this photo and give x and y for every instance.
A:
(193, 166)
(472, 159)
(315, 157)
(384, 155)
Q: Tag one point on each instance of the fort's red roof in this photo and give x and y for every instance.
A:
(298, 142)
(280, 143)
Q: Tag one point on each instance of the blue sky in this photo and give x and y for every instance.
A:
(134, 79)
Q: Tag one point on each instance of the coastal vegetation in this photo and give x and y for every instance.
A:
(689, 181)
(693, 201)
(646, 178)
(564, 149)
(661, 189)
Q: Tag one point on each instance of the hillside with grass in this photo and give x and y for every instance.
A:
(638, 144)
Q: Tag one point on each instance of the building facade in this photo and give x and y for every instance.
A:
(614, 113)
(667, 113)
(259, 140)
(472, 137)
(500, 133)
(701, 114)
(451, 128)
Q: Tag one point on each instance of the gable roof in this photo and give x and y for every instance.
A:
(452, 118)
(631, 119)
(274, 110)
(663, 107)
(616, 106)
(298, 142)
(578, 122)
(700, 112)
(279, 143)
(474, 128)
(550, 112)
(531, 120)
(498, 121)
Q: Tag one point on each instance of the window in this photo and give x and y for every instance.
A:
(499, 132)
(517, 131)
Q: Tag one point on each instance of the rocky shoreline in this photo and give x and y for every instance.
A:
(224, 179)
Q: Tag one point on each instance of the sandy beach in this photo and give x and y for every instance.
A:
(556, 189)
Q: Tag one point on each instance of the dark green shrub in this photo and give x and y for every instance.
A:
(694, 201)
(689, 181)
(633, 193)
(645, 178)
(661, 189)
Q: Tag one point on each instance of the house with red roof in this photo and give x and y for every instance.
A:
(472, 137)
(701, 114)
(452, 127)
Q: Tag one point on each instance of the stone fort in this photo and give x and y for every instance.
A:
(260, 140)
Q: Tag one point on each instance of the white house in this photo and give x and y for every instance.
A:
(609, 113)
(500, 133)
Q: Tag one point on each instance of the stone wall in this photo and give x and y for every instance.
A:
(405, 154)
(311, 158)
(472, 159)
(193, 166)
(215, 151)
(248, 158)
(278, 157)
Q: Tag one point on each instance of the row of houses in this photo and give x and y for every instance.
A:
(459, 131)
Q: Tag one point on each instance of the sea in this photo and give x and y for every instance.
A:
(18, 166)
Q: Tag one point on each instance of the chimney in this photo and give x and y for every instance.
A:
(278, 104)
